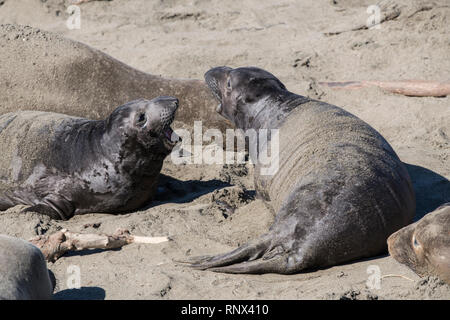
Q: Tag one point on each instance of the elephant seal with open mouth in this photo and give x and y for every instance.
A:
(62, 165)
(340, 189)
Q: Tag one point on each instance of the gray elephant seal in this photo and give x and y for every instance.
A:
(46, 72)
(23, 271)
(424, 246)
(340, 189)
(62, 165)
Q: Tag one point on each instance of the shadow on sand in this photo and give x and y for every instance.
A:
(432, 189)
(178, 191)
(84, 293)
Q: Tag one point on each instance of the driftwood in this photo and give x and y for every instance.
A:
(388, 9)
(359, 19)
(55, 245)
(83, 1)
(396, 276)
(416, 88)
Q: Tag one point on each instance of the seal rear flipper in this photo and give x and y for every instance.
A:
(55, 207)
(275, 264)
(247, 252)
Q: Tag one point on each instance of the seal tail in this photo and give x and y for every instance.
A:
(253, 257)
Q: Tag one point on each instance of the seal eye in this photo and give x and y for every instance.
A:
(416, 243)
(229, 84)
(141, 119)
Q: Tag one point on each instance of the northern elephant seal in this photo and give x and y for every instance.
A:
(44, 71)
(62, 165)
(424, 246)
(340, 189)
(23, 271)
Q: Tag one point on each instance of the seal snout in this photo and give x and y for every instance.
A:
(215, 79)
(174, 103)
(170, 103)
(169, 106)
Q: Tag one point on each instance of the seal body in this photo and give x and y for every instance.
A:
(339, 190)
(23, 271)
(62, 165)
(46, 72)
(424, 246)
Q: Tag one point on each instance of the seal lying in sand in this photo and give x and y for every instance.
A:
(46, 72)
(340, 190)
(424, 246)
(62, 165)
(23, 271)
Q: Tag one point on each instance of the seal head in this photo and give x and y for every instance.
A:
(144, 122)
(424, 246)
(243, 95)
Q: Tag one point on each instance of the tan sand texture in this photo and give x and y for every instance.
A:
(207, 209)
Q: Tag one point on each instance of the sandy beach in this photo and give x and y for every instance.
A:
(210, 209)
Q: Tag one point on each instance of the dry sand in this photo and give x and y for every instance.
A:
(209, 209)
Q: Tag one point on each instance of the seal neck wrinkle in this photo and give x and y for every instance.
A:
(264, 115)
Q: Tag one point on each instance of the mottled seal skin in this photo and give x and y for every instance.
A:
(23, 271)
(62, 165)
(340, 190)
(46, 72)
(424, 246)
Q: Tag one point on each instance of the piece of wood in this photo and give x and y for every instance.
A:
(55, 245)
(415, 88)
(388, 10)
(396, 276)
(76, 2)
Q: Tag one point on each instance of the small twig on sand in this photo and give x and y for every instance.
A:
(396, 276)
(55, 245)
(415, 88)
(388, 10)
(83, 1)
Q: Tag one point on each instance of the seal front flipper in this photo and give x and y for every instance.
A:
(54, 206)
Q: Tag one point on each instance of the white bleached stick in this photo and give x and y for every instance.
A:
(55, 245)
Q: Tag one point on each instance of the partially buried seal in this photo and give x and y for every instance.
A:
(47, 72)
(23, 271)
(424, 246)
(62, 165)
(340, 189)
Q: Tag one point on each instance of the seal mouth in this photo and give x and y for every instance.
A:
(170, 138)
